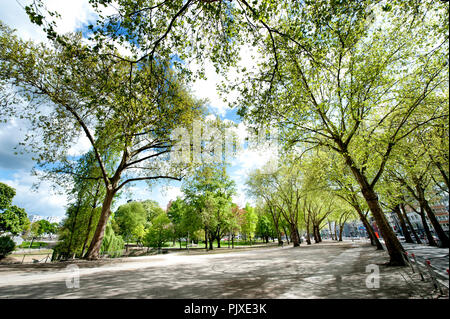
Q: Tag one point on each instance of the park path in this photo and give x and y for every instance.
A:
(325, 270)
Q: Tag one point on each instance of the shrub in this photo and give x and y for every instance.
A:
(7, 245)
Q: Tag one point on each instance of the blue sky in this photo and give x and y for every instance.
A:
(15, 170)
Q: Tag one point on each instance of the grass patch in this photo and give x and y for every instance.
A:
(36, 244)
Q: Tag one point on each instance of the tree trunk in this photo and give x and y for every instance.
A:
(335, 231)
(341, 228)
(73, 227)
(211, 242)
(405, 231)
(319, 235)
(88, 232)
(437, 227)
(294, 236)
(393, 245)
(218, 241)
(206, 238)
(308, 236)
(373, 238)
(96, 243)
(286, 235)
(316, 234)
(430, 239)
(405, 216)
(330, 230)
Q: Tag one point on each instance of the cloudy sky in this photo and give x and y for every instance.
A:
(15, 170)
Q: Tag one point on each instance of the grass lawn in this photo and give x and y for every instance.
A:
(223, 244)
(36, 244)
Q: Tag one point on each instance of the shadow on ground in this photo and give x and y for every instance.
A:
(317, 271)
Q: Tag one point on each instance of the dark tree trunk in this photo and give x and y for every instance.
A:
(308, 236)
(331, 231)
(286, 235)
(88, 232)
(218, 241)
(319, 235)
(437, 227)
(373, 238)
(206, 238)
(430, 239)
(295, 236)
(73, 227)
(96, 243)
(405, 231)
(316, 234)
(405, 216)
(393, 245)
(211, 242)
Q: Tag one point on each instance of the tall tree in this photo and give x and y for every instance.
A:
(13, 219)
(351, 76)
(132, 110)
(210, 191)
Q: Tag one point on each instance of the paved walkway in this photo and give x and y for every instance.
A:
(438, 257)
(325, 270)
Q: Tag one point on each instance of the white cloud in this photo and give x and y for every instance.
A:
(74, 14)
(208, 88)
(11, 133)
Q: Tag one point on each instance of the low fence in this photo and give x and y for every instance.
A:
(427, 272)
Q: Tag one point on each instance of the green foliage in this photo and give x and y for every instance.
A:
(13, 219)
(159, 232)
(152, 209)
(7, 193)
(264, 226)
(7, 245)
(77, 230)
(209, 192)
(131, 219)
(112, 244)
(250, 220)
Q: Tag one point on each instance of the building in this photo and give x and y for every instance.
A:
(440, 211)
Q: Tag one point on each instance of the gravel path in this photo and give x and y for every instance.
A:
(325, 270)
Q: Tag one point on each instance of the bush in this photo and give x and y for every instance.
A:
(112, 244)
(7, 245)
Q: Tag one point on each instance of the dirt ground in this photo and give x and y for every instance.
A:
(320, 271)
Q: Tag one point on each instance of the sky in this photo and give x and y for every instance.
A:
(15, 170)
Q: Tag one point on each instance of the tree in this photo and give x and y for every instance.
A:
(83, 213)
(159, 232)
(250, 219)
(176, 212)
(131, 219)
(414, 171)
(113, 244)
(130, 108)
(152, 209)
(210, 192)
(7, 246)
(341, 80)
(13, 219)
(265, 227)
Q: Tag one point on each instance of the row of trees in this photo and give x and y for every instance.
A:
(364, 82)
